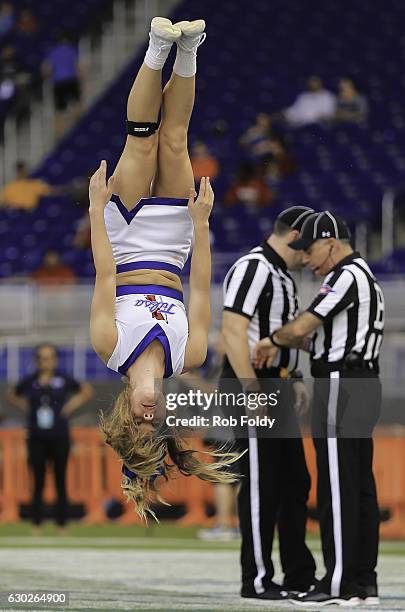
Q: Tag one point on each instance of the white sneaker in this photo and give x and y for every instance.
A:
(192, 34)
(163, 29)
(219, 534)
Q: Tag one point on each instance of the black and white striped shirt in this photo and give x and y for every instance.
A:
(259, 287)
(351, 306)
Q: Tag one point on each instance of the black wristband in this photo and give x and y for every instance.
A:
(275, 341)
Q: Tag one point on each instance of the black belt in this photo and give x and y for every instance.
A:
(228, 372)
(321, 368)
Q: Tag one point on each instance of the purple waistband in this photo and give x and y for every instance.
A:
(149, 289)
(148, 265)
(130, 214)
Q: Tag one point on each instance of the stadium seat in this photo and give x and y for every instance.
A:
(345, 167)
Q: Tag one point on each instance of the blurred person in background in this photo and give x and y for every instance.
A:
(257, 136)
(82, 239)
(52, 271)
(281, 163)
(28, 24)
(25, 192)
(351, 106)
(14, 81)
(205, 378)
(315, 105)
(48, 398)
(249, 189)
(264, 146)
(7, 18)
(225, 527)
(399, 219)
(62, 65)
(203, 162)
(78, 191)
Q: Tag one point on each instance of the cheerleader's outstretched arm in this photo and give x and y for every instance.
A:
(103, 330)
(199, 311)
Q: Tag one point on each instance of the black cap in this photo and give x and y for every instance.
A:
(295, 216)
(318, 226)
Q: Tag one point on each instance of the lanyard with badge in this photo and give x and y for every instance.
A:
(45, 414)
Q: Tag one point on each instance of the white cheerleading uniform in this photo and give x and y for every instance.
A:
(155, 235)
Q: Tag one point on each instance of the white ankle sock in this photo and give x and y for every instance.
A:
(157, 52)
(185, 64)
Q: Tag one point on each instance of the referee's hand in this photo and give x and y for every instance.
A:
(264, 354)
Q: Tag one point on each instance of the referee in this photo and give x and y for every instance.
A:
(259, 296)
(347, 317)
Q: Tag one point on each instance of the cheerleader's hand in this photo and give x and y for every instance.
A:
(100, 191)
(200, 209)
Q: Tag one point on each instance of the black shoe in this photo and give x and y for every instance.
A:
(317, 598)
(369, 595)
(296, 589)
(274, 592)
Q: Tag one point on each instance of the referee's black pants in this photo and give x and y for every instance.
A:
(40, 451)
(346, 409)
(274, 490)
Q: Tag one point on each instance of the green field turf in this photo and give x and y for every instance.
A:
(163, 536)
(160, 568)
